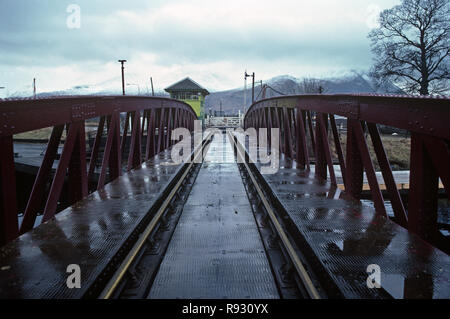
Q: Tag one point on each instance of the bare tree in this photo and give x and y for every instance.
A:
(312, 86)
(411, 46)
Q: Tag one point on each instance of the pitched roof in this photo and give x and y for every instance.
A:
(187, 84)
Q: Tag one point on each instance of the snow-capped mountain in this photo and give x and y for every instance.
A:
(348, 82)
(233, 100)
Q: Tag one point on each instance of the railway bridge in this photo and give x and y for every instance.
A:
(246, 214)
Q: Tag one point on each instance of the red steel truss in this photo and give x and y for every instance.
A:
(303, 136)
(18, 116)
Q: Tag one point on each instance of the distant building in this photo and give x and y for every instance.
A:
(187, 90)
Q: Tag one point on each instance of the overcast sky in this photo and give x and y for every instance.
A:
(211, 41)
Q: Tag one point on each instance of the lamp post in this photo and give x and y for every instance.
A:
(253, 87)
(123, 76)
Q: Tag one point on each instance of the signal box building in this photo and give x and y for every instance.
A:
(189, 91)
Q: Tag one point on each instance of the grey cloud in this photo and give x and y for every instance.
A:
(35, 32)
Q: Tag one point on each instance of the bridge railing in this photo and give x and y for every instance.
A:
(308, 129)
(154, 116)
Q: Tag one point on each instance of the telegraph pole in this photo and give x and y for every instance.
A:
(253, 87)
(123, 76)
(151, 81)
(245, 88)
(34, 88)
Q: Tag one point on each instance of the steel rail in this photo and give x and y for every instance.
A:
(298, 265)
(113, 283)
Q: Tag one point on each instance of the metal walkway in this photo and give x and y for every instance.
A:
(89, 234)
(341, 237)
(216, 250)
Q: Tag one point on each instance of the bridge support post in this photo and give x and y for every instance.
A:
(175, 126)
(311, 131)
(77, 175)
(134, 156)
(277, 123)
(337, 143)
(115, 158)
(150, 149)
(169, 129)
(112, 153)
(9, 228)
(302, 146)
(423, 191)
(354, 166)
(287, 133)
(160, 131)
(321, 161)
(323, 126)
(123, 142)
(96, 147)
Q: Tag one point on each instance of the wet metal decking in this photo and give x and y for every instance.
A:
(216, 250)
(88, 233)
(343, 237)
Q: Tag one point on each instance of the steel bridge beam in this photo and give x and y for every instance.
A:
(74, 168)
(305, 122)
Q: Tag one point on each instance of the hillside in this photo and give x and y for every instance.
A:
(233, 100)
(354, 82)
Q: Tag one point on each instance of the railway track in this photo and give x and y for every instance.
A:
(295, 275)
(130, 274)
(133, 273)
